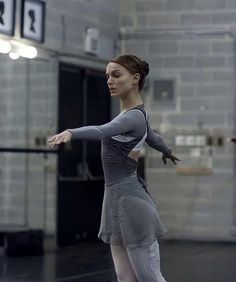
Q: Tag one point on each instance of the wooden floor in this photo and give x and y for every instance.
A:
(181, 261)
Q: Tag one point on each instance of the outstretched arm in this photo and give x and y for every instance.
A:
(123, 123)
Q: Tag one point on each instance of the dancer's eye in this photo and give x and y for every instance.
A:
(114, 75)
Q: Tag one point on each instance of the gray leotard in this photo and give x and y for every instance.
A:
(129, 215)
(123, 134)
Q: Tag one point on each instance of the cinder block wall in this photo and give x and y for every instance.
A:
(191, 43)
(202, 68)
(29, 110)
(28, 107)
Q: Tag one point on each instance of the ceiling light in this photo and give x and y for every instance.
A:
(29, 52)
(14, 55)
(5, 47)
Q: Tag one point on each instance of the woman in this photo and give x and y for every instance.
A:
(129, 222)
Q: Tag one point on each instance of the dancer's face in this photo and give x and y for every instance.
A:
(119, 80)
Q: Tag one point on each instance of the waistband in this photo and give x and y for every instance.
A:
(131, 177)
(126, 180)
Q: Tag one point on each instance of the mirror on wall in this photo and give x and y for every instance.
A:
(28, 114)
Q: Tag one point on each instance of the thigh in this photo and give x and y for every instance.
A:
(123, 267)
(145, 261)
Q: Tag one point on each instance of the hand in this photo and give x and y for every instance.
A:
(62, 137)
(171, 157)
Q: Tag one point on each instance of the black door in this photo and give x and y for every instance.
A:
(83, 100)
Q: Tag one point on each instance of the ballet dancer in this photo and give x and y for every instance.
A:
(129, 221)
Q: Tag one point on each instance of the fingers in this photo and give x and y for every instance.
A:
(51, 139)
(172, 158)
(177, 159)
(55, 140)
(60, 140)
(164, 159)
(52, 142)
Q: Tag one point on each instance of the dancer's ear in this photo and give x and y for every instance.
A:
(136, 78)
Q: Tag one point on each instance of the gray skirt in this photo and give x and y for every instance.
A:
(129, 215)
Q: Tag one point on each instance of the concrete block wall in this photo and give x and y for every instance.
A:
(29, 102)
(67, 21)
(191, 43)
(202, 68)
(28, 107)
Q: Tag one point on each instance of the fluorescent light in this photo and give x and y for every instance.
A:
(14, 55)
(29, 52)
(5, 47)
(16, 49)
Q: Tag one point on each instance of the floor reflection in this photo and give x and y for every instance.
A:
(181, 261)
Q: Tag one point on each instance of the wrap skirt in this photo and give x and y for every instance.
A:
(129, 215)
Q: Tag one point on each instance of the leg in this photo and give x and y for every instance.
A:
(146, 263)
(123, 267)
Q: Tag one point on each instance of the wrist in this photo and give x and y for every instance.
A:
(68, 131)
(168, 154)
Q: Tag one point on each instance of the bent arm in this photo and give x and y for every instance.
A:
(155, 141)
(123, 123)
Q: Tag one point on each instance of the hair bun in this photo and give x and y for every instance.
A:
(134, 65)
(145, 67)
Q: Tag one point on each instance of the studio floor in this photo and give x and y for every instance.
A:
(181, 261)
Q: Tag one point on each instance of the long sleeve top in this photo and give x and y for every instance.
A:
(125, 133)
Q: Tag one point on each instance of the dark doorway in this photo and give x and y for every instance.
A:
(83, 100)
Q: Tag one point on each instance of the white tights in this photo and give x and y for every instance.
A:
(140, 264)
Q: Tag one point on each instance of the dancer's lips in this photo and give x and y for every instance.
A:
(112, 89)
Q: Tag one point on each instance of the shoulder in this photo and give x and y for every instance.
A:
(136, 114)
(131, 119)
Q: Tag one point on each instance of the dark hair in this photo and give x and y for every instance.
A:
(134, 65)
